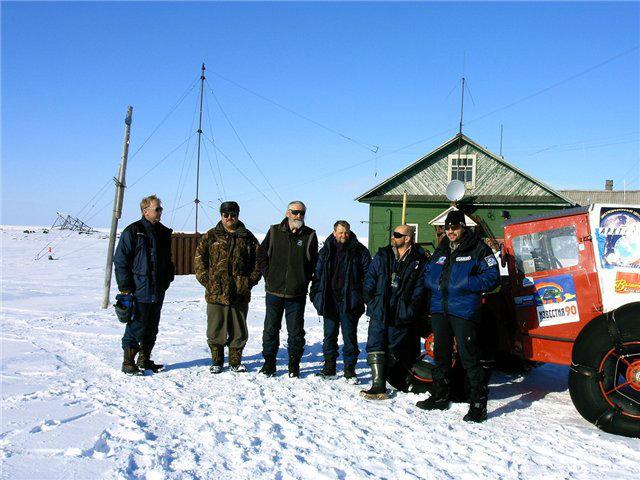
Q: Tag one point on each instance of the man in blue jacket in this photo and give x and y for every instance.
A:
(144, 268)
(336, 292)
(461, 269)
(393, 290)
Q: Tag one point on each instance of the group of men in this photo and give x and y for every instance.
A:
(397, 287)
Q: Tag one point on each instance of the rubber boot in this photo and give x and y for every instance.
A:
(440, 398)
(329, 368)
(378, 390)
(217, 358)
(294, 366)
(144, 361)
(235, 360)
(477, 405)
(269, 367)
(129, 366)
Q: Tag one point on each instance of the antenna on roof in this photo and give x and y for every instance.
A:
(501, 141)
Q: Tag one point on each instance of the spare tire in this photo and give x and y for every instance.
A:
(604, 378)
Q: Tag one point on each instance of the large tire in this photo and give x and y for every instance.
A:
(604, 379)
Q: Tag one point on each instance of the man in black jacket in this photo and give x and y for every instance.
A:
(287, 257)
(143, 267)
(393, 290)
(336, 292)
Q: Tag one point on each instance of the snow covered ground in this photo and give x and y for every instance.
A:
(68, 412)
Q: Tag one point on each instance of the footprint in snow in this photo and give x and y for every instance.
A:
(45, 426)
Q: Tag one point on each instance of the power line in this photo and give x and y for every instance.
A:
(557, 84)
(180, 100)
(371, 147)
(215, 152)
(215, 97)
(243, 175)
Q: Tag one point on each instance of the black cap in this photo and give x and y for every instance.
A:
(455, 217)
(229, 207)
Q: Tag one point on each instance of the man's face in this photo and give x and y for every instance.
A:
(454, 232)
(153, 212)
(295, 213)
(341, 234)
(229, 219)
(400, 237)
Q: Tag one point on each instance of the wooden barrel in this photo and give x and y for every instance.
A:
(183, 251)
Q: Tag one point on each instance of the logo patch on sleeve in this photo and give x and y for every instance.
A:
(441, 261)
(491, 260)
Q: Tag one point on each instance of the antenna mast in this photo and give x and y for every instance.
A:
(460, 128)
(197, 200)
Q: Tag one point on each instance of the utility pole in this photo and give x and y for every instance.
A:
(117, 208)
(197, 200)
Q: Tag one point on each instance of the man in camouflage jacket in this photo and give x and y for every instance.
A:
(226, 265)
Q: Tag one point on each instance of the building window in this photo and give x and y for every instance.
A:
(463, 168)
(414, 225)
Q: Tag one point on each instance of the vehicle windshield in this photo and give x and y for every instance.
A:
(547, 250)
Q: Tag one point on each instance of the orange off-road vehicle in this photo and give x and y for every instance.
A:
(572, 297)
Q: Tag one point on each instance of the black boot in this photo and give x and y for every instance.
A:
(439, 399)
(294, 366)
(378, 390)
(217, 358)
(129, 366)
(144, 361)
(329, 368)
(269, 367)
(477, 405)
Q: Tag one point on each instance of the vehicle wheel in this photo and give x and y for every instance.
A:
(604, 379)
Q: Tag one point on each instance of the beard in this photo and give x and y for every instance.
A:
(295, 224)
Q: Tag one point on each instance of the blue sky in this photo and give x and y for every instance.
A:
(383, 74)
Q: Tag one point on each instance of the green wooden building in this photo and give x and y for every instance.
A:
(493, 186)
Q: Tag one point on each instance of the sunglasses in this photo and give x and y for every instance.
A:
(157, 209)
(452, 227)
(298, 212)
(399, 235)
(230, 214)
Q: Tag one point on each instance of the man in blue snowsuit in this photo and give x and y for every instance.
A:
(460, 270)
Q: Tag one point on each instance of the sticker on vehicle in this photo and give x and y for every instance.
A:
(556, 301)
(618, 237)
(627, 282)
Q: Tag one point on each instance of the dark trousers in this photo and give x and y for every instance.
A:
(402, 342)
(465, 331)
(293, 309)
(335, 318)
(143, 330)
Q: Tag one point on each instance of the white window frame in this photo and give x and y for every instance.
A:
(414, 225)
(455, 156)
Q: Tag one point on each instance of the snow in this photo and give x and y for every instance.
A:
(68, 412)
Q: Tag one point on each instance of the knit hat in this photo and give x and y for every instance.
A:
(455, 217)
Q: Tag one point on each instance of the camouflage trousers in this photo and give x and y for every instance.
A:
(227, 325)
